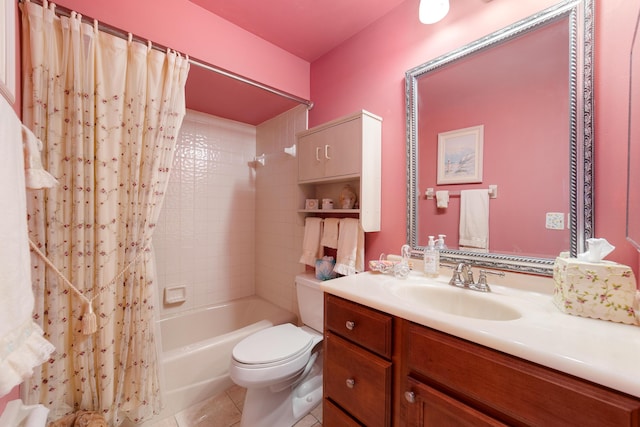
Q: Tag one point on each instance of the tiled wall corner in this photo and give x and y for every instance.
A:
(279, 226)
(206, 231)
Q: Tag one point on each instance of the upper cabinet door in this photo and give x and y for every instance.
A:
(342, 149)
(310, 157)
(332, 151)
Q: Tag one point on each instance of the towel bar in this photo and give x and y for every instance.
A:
(493, 192)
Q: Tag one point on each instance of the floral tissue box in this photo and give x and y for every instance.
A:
(604, 290)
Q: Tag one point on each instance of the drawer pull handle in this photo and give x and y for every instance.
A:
(410, 396)
(351, 383)
(326, 152)
(350, 325)
(318, 153)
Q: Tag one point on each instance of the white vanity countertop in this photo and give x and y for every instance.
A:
(604, 352)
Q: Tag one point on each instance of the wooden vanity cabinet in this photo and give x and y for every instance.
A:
(453, 382)
(357, 377)
(381, 370)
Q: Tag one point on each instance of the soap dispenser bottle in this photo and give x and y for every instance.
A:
(440, 245)
(431, 259)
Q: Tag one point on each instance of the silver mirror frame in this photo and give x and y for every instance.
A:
(581, 117)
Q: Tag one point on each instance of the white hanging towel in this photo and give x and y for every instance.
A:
(22, 346)
(442, 198)
(350, 255)
(474, 220)
(311, 249)
(330, 233)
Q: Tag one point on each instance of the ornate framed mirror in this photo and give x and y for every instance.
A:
(529, 86)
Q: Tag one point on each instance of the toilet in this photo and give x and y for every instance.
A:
(281, 366)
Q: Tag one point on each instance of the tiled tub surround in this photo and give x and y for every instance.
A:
(207, 222)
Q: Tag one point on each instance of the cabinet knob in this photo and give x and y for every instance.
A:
(350, 325)
(351, 382)
(410, 396)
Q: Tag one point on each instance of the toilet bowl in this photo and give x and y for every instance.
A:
(281, 366)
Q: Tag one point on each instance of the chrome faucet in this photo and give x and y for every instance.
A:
(463, 278)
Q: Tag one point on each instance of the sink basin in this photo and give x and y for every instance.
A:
(460, 302)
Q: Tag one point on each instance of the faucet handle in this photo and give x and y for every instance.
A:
(482, 284)
(495, 273)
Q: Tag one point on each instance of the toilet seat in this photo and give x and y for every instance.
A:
(273, 346)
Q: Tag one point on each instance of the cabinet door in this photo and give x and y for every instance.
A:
(342, 149)
(427, 406)
(310, 157)
(522, 392)
(331, 153)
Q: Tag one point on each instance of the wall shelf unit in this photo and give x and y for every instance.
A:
(345, 151)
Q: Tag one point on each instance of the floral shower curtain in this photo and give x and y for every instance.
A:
(108, 111)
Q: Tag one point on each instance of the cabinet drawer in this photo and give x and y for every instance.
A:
(520, 392)
(336, 417)
(357, 381)
(364, 326)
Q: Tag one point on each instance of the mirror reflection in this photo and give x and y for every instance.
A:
(633, 185)
(525, 150)
(519, 86)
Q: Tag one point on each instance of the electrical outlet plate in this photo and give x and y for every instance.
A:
(555, 221)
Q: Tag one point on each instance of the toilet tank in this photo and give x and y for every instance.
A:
(310, 301)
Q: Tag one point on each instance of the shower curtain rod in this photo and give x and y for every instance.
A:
(114, 31)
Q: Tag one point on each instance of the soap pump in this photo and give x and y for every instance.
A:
(440, 245)
(431, 259)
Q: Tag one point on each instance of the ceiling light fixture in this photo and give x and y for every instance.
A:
(432, 11)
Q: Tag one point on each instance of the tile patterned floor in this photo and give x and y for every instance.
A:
(225, 410)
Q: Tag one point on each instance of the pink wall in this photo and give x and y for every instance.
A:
(13, 394)
(368, 72)
(188, 28)
(615, 21)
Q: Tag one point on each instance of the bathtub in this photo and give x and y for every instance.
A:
(197, 345)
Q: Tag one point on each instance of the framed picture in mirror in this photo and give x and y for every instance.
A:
(460, 155)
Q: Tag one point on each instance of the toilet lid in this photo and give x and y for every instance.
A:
(272, 344)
